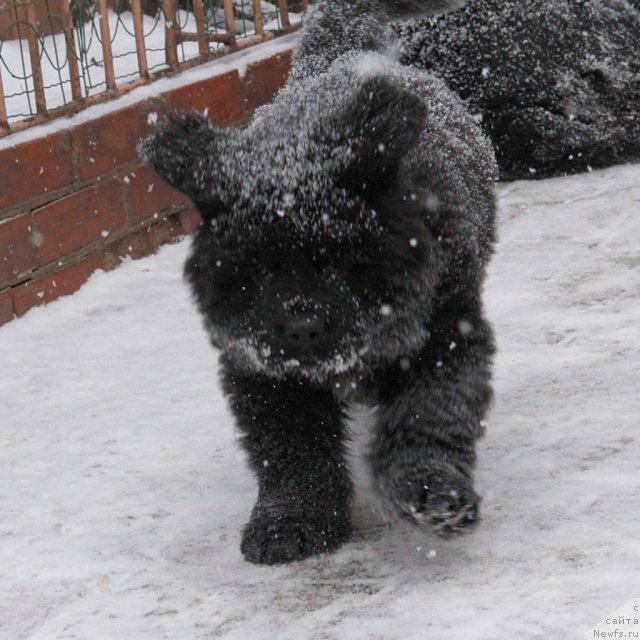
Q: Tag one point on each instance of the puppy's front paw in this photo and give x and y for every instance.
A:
(440, 498)
(447, 507)
(278, 535)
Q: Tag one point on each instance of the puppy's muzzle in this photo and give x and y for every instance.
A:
(302, 333)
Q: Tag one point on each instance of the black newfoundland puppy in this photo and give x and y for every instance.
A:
(342, 252)
(555, 83)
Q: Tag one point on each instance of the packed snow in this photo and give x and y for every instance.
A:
(124, 491)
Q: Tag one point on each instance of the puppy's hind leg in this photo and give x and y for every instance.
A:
(294, 433)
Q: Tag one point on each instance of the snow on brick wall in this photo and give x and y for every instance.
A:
(79, 199)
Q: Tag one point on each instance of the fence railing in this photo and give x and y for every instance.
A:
(58, 56)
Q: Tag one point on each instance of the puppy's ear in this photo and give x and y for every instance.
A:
(187, 152)
(384, 121)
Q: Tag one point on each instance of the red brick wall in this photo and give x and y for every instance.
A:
(80, 200)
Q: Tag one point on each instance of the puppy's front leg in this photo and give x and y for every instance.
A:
(294, 433)
(430, 411)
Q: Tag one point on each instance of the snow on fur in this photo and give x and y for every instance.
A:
(345, 234)
(555, 83)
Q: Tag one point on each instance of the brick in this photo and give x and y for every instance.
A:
(6, 306)
(106, 143)
(136, 245)
(164, 231)
(220, 96)
(17, 256)
(31, 169)
(145, 241)
(190, 220)
(148, 194)
(55, 285)
(79, 219)
(263, 79)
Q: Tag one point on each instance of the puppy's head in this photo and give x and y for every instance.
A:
(313, 257)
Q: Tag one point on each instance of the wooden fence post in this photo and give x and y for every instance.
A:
(284, 14)
(258, 18)
(229, 21)
(34, 56)
(138, 30)
(105, 34)
(4, 120)
(72, 55)
(201, 26)
(170, 10)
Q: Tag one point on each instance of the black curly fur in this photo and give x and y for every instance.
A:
(344, 257)
(555, 83)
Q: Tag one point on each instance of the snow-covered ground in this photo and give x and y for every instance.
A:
(123, 490)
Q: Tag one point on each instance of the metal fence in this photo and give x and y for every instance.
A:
(58, 56)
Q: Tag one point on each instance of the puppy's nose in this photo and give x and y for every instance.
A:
(303, 331)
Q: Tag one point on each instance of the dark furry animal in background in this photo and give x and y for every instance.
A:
(342, 252)
(555, 82)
